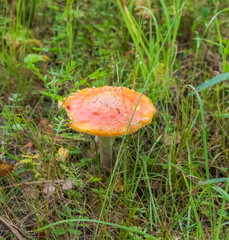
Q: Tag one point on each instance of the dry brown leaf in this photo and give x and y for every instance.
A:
(45, 125)
(118, 186)
(49, 189)
(28, 145)
(17, 41)
(62, 154)
(12, 41)
(30, 191)
(68, 185)
(5, 169)
(42, 236)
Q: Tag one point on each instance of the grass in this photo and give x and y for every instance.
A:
(170, 179)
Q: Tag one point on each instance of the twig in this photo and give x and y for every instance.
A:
(12, 228)
(33, 182)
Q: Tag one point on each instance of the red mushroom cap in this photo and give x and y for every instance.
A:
(107, 111)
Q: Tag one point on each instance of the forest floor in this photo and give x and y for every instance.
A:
(171, 178)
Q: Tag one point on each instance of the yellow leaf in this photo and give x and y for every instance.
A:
(30, 156)
(46, 58)
(62, 154)
(118, 186)
(26, 160)
(5, 169)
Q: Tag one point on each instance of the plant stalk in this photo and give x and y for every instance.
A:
(106, 153)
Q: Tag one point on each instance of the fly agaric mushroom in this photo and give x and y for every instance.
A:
(108, 112)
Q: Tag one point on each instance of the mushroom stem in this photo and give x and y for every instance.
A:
(106, 152)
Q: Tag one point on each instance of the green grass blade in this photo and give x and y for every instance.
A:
(51, 95)
(221, 192)
(204, 134)
(214, 180)
(149, 237)
(211, 82)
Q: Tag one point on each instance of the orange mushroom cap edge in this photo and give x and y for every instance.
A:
(108, 111)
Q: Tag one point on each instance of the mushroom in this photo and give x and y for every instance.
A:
(108, 112)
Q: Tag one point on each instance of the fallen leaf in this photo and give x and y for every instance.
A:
(49, 189)
(118, 186)
(12, 41)
(17, 41)
(41, 236)
(5, 168)
(28, 145)
(68, 185)
(30, 191)
(45, 125)
(62, 154)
